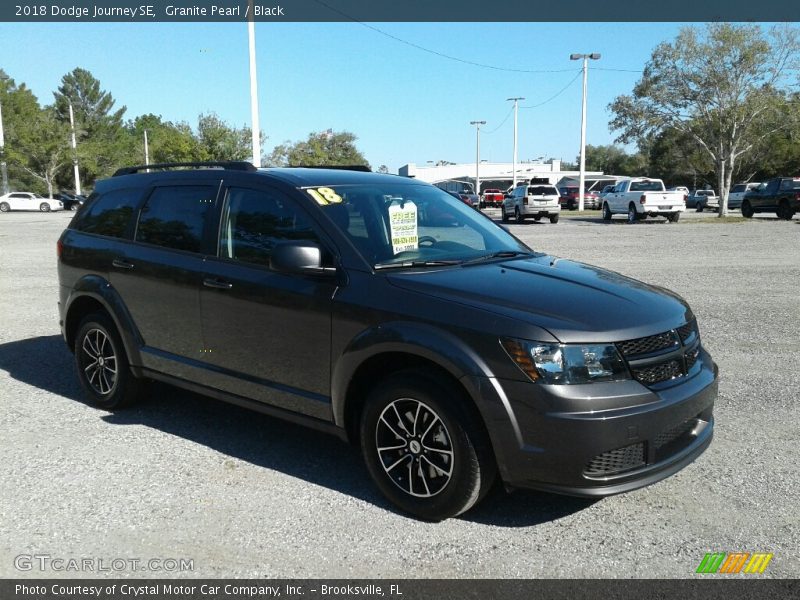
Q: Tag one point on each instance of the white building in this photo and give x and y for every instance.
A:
(499, 175)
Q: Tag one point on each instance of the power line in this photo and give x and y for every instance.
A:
(561, 91)
(617, 70)
(502, 123)
(436, 53)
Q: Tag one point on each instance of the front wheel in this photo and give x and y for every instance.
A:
(424, 448)
(73, 206)
(44, 207)
(699, 207)
(606, 212)
(102, 364)
(503, 215)
(747, 210)
(4, 207)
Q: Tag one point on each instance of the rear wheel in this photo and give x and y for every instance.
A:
(673, 217)
(606, 212)
(633, 216)
(73, 206)
(102, 364)
(784, 212)
(44, 207)
(699, 206)
(554, 219)
(747, 210)
(423, 446)
(4, 207)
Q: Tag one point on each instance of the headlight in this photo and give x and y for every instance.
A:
(567, 363)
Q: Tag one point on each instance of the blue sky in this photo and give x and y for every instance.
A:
(404, 104)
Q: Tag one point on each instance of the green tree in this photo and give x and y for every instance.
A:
(102, 141)
(722, 86)
(220, 141)
(325, 148)
(166, 141)
(679, 160)
(614, 160)
(45, 146)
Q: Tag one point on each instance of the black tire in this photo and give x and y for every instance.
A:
(747, 210)
(784, 212)
(44, 207)
(518, 216)
(98, 353)
(633, 216)
(554, 219)
(606, 212)
(73, 206)
(673, 217)
(699, 207)
(4, 207)
(453, 448)
(537, 219)
(503, 215)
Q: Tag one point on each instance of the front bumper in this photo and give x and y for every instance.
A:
(599, 439)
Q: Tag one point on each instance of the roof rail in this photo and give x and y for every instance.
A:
(232, 165)
(363, 168)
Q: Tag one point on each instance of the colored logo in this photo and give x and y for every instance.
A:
(734, 562)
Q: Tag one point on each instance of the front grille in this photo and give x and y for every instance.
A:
(616, 461)
(657, 373)
(647, 345)
(691, 358)
(687, 331)
(670, 435)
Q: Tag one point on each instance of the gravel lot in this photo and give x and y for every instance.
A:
(182, 476)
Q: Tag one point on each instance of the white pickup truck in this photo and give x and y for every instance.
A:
(641, 197)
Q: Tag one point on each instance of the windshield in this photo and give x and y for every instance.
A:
(397, 224)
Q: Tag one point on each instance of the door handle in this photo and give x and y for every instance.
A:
(218, 284)
(121, 263)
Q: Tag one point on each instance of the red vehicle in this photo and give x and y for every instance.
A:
(569, 198)
(492, 197)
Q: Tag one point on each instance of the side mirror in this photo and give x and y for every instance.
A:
(300, 256)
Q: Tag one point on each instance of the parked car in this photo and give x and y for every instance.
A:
(703, 199)
(780, 195)
(569, 198)
(28, 201)
(642, 197)
(736, 195)
(464, 190)
(452, 355)
(69, 201)
(465, 198)
(492, 197)
(537, 201)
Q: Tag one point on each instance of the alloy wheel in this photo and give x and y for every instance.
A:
(99, 361)
(414, 447)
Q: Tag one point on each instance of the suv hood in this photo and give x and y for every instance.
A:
(575, 302)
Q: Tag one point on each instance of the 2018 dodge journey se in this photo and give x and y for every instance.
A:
(383, 310)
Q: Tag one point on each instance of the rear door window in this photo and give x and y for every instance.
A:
(175, 217)
(110, 213)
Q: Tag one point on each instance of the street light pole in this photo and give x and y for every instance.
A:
(256, 128)
(3, 172)
(146, 151)
(478, 158)
(514, 159)
(582, 176)
(75, 171)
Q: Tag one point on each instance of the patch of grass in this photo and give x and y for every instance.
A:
(714, 220)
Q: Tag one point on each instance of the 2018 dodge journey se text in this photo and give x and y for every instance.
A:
(383, 310)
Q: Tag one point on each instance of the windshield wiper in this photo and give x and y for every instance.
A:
(498, 254)
(408, 264)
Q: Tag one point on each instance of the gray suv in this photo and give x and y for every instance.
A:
(384, 311)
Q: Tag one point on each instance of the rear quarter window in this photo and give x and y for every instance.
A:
(175, 216)
(108, 214)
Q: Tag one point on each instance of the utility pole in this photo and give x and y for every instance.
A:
(514, 160)
(582, 176)
(255, 127)
(74, 153)
(146, 151)
(478, 158)
(3, 171)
